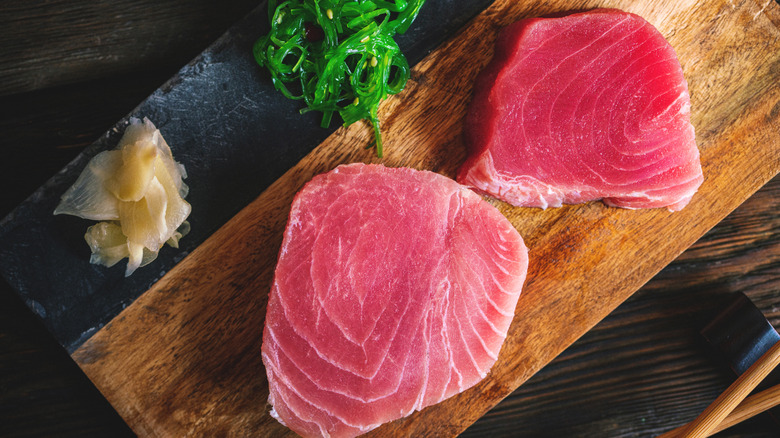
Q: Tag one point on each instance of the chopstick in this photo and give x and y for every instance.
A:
(750, 407)
(705, 424)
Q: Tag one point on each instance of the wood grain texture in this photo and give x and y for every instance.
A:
(638, 373)
(748, 408)
(703, 425)
(183, 358)
(45, 43)
(42, 391)
(646, 369)
(44, 130)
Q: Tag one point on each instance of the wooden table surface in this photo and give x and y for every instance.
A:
(70, 69)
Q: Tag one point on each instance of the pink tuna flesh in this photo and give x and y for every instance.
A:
(394, 290)
(587, 106)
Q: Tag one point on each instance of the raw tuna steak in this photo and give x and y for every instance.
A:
(588, 106)
(394, 290)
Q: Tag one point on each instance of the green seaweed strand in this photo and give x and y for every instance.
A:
(338, 55)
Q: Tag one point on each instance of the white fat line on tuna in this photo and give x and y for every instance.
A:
(401, 367)
(452, 213)
(668, 169)
(664, 190)
(481, 314)
(600, 56)
(638, 172)
(403, 371)
(274, 363)
(448, 343)
(417, 404)
(363, 236)
(393, 336)
(685, 183)
(320, 301)
(340, 250)
(605, 68)
(316, 383)
(319, 317)
(307, 416)
(426, 335)
(562, 61)
(496, 307)
(310, 344)
(316, 296)
(282, 388)
(500, 288)
(623, 87)
(681, 94)
(492, 256)
(656, 147)
(466, 346)
(501, 244)
(507, 238)
(500, 311)
(310, 416)
(500, 266)
(646, 67)
(521, 112)
(616, 60)
(515, 191)
(643, 195)
(617, 190)
(341, 328)
(491, 248)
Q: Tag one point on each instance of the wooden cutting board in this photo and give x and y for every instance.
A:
(184, 358)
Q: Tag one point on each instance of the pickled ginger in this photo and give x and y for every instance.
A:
(138, 191)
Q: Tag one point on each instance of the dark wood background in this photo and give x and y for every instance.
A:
(70, 69)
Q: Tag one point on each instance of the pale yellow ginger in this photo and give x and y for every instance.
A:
(138, 188)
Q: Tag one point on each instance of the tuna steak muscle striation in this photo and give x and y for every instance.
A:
(591, 105)
(394, 290)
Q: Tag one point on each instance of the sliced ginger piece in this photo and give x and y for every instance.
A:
(88, 197)
(107, 243)
(143, 221)
(139, 187)
(131, 180)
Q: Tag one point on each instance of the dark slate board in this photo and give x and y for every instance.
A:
(235, 135)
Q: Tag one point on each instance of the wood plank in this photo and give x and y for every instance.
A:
(47, 43)
(213, 111)
(645, 368)
(43, 131)
(184, 358)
